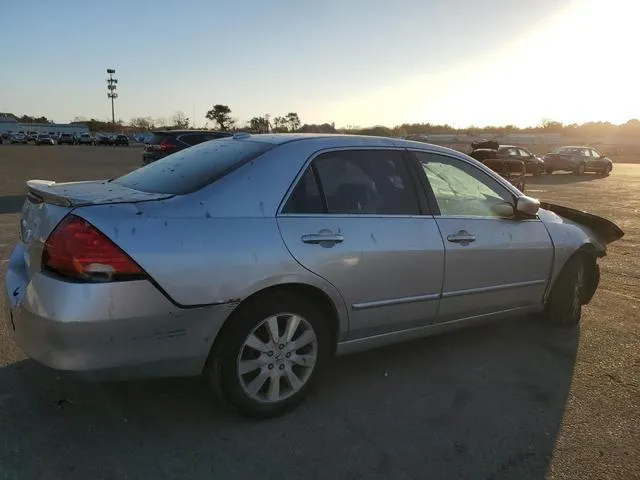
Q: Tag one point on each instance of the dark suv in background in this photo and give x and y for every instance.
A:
(66, 138)
(166, 142)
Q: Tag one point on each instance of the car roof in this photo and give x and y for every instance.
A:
(340, 140)
(179, 132)
(575, 146)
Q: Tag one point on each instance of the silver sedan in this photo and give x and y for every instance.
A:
(253, 259)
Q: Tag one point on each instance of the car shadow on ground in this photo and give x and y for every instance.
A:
(561, 178)
(484, 403)
(11, 204)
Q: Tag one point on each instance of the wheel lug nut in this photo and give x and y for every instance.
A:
(281, 346)
(288, 355)
(282, 366)
(270, 366)
(270, 353)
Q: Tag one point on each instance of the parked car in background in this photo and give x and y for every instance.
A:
(122, 140)
(66, 139)
(578, 160)
(166, 142)
(509, 167)
(293, 248)
(533, 163)
(19, 138)
(44, 139)
(32, 137)
(85, 139)
(102, 139)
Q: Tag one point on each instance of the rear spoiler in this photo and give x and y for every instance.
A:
(606, 230)
(38, 192)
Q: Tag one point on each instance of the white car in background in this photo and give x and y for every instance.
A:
(85, 139)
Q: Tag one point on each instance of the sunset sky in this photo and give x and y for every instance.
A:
(460, 62)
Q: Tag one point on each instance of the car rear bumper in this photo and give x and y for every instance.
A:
(107, 331)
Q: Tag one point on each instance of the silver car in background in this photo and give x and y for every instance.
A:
(253, 259)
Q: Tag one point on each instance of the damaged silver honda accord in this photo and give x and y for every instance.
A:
(253, 259)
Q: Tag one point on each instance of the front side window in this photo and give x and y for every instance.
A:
(524, 153)
(461, 189)
(356, 182)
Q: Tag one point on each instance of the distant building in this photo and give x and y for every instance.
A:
(11, 124)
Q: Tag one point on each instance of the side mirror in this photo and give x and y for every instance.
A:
(527, 205)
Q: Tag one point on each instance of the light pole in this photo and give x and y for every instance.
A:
(111, 91)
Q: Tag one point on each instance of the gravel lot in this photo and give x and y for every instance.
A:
(515, 399)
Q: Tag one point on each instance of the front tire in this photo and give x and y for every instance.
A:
(268, 359)
(564, 306)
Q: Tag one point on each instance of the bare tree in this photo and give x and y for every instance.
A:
(180, 120)
(142, 123)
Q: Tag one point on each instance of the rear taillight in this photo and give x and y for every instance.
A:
(77, 250)
(166, 146)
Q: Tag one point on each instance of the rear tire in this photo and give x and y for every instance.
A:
(564, 306)
(262, 376)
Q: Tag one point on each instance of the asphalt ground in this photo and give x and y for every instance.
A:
(516, 399)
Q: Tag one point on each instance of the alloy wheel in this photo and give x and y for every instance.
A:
(277, 358)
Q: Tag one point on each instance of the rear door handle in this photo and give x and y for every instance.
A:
(463, 237)
(318, 238)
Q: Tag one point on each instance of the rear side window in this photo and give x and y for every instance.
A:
(306, 197)
(193, 168)
(356, 182)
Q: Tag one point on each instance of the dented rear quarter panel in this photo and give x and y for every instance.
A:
(220, 244)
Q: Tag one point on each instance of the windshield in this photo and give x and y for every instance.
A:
(193, 168)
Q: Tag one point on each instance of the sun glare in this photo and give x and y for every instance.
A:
(578, 66)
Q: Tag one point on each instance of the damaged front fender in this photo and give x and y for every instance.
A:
(605, 230)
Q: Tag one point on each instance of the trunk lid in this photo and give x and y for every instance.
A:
(47, 203)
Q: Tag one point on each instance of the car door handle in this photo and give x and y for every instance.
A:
(463, 237)
(317, 238)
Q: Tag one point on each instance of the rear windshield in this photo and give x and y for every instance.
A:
(193, 168)
(156, 138)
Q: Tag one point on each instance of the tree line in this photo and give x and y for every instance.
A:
(221, 116)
